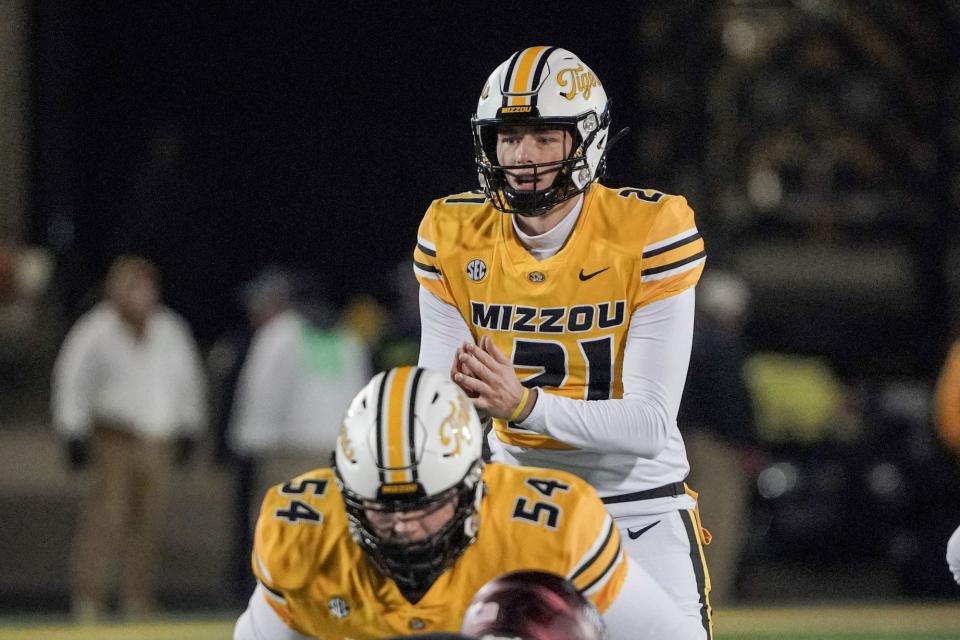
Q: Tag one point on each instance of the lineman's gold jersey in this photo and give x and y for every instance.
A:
(630, 247)
(321, 584)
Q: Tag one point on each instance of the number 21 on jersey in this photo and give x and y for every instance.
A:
(551, 362)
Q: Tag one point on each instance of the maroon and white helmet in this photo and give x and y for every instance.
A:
(531, 605)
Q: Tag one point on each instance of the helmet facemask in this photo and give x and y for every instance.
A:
(414, 566)
(572, 173)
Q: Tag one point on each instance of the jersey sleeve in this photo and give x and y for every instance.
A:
(264, 618)
(599, 563)
(673, 252)
(271, 548)
(288, 540)
(426, 262)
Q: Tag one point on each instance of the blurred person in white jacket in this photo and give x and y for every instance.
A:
(302, 368)
(128, 397)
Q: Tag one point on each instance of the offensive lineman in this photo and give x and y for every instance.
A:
(566, 309)
(409, 524)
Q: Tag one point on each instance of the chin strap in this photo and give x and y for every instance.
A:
(602, 169)
(615, 139)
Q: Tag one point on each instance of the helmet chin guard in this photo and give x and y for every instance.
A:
(542, 88)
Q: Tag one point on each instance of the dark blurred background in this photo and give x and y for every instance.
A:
(818, 142)
(218, 140)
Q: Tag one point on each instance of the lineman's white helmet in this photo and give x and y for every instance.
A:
(411, 440)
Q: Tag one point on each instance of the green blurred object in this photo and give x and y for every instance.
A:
(798, 399)
(397, 353)
(321, 350)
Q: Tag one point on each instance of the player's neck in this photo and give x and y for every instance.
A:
(535, 226)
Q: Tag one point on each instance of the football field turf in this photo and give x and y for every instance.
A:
(939, 621)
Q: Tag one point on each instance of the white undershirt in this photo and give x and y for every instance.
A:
(547, 244)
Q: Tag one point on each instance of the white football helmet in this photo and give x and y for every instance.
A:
(410, 440)
(542, 87)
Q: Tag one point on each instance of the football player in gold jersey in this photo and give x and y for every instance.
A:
(400, 534)
(564, 309)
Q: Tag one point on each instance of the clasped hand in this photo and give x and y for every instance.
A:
(488, 378)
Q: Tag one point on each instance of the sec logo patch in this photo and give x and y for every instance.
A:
(476, 269)
(338, 607)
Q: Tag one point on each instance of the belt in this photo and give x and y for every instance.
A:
(673, 489)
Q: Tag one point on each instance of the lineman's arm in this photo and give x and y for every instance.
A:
(261, 622)
(953, 554)
(644, 610)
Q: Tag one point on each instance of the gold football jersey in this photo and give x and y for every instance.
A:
(563, 321)
(321, 584)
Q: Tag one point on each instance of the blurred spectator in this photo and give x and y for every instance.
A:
(301, 370)
(265, 297)
(400, 342)
(268, 295)
(717, 421)
(29, 331)
(947, 401)
(367, 319)
(128, 398)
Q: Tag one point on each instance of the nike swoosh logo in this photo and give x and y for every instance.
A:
(639, 532)
(586, 276)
